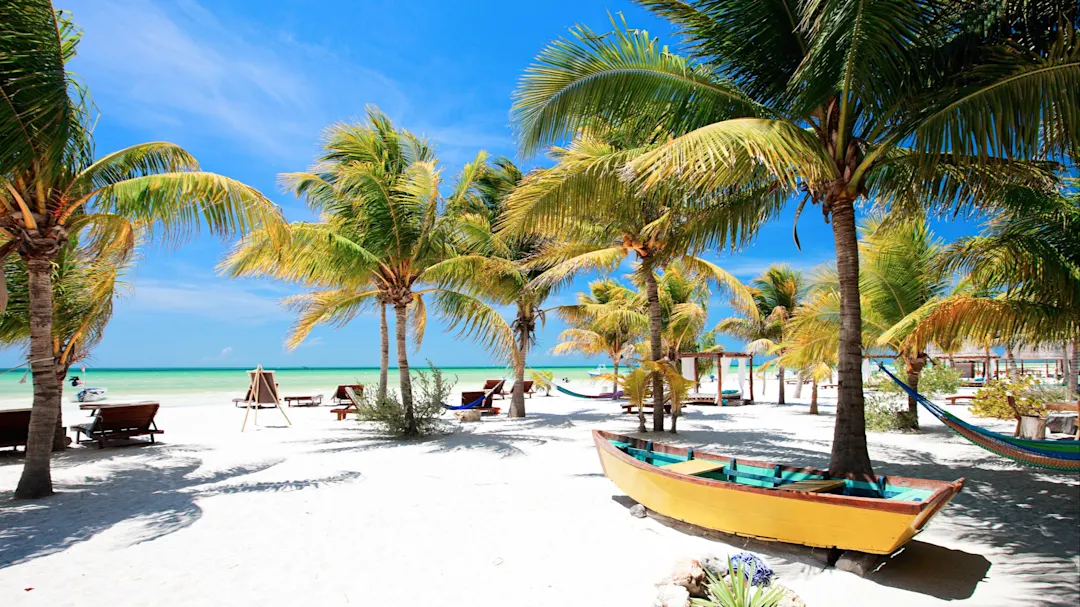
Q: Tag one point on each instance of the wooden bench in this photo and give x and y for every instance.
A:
(14, 427)
(815, 485)
(115, 421)
(695, 467)
(304, 401)
(351, 398)
(955, 397)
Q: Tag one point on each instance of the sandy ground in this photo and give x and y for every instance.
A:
(504, 512)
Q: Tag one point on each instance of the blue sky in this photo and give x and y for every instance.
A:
(248, 85)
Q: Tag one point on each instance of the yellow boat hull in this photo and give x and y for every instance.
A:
(821, 520)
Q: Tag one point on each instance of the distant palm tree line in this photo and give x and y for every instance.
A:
(917, 107)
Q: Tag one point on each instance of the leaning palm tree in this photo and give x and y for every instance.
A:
(601, 219)
(86, 285)
(501, 266)
(604, 321)
(383, 238)
(53, 188)
(1024, 273)
(912, 103)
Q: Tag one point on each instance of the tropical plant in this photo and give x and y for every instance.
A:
(604, 321)
(636, 386)
(1025, 276)
(382, 239)
(53, 188)
(502, 266)
(810, 345)
(992, 400)
(602, 219)
(678, 387)
(915, 104)
(544, 380)
(737, 589)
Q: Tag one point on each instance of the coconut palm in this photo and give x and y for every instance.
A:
(85, 286)
(382, 239)
(1024, 272)
(52, 188)
(601, 219)
(501, 266)
(636, 385)
(604, 321)
(810, 344)
(912, 103)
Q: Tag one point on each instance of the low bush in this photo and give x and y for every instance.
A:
(887, 412)
(430, 390)
(934, 380)
(991, 400)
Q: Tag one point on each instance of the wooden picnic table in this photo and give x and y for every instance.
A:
(304, 401)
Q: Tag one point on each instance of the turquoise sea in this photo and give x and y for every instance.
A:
(130, 382)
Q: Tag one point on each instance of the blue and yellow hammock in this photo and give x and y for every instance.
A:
(1052, 454)
(578, 395)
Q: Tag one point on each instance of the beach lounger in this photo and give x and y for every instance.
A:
(120, 421)
(496, 386)
(304, 401)
(341, 398)
(353, 400)
(14, 427)
(527, 387)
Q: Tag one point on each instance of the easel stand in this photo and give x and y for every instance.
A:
(263, 391)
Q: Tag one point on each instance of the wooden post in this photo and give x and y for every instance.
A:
(752, 379)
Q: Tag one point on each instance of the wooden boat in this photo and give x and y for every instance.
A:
(770, 501)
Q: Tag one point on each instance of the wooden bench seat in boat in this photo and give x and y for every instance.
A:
(695, 466)
(814, 485)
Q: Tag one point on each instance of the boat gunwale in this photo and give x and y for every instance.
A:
(943, 490)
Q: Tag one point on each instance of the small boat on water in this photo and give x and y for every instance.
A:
(600, 369)
(91, 395)
(770, 501)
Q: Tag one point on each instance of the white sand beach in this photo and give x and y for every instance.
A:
(502, 512)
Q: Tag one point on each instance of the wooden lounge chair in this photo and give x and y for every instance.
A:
(262, 394)
(473, 396)
(14, 427)
(120, 421)
(303, 401)
(527, 387)
(353, 400)
(496, 386)
(341, 398)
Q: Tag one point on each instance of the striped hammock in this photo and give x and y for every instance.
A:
(577, 395)
(1052, 454)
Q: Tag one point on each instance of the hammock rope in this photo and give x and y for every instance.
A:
(1052, 454)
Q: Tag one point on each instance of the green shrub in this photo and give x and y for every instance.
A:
(934, 380)
(887, 412)
(991, 400)
(430, 390)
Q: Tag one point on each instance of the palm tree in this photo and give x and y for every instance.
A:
(604, 321)
(382, 240)
(1024, 273)
(912, 103)
(810, 343)
(85, 286)
(501, 265)
(778, 292)
(52, 188)
(586, 202)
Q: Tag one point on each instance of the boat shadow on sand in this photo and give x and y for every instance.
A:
(1026, 520)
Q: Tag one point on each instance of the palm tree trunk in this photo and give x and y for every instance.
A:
(849, 452)
(656, 325)
(615, 382)
(60, 442)
(517, 397)
(914, 371)
(400, 320)
(384, 361)
(36, 480)
(813, 397)
(780, 377)
(1072, 355)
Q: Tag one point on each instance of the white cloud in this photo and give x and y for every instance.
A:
(225, 354)
(219, 300)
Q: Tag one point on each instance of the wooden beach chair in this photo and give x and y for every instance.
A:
(262, 394)
(527, 387)
(14, 427)
(116, 421)
(341, 398)
(496, 387)
(351, 398)
(473, 396)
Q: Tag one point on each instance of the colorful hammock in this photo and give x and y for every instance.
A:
(576, 395)
(1052, 454)
(474, 404)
